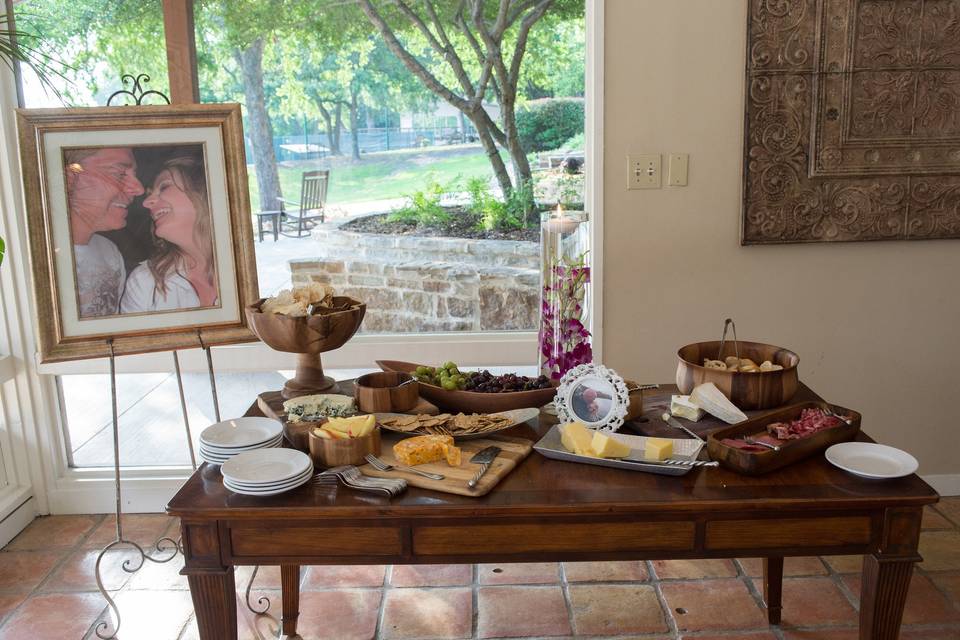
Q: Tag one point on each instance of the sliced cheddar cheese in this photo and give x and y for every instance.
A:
(608, 447)
(658, 449)
(576, 438)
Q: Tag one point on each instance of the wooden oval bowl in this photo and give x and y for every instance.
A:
(334, 453)
(761, 390)
(386, 392)
(474, 401)
(315, 333)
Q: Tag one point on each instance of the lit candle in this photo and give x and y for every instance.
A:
(561, 223)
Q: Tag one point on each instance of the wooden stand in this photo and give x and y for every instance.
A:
(309, 378)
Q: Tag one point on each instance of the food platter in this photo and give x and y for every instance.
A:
(428, 425)
(551, 446)
(473, 401)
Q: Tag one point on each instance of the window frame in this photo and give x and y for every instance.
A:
(71, 490)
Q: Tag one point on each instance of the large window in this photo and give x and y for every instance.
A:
(435, 180)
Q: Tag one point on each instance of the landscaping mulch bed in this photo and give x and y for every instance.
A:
(463, 225)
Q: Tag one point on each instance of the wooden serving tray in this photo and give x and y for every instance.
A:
(759, 462)
(455, 481)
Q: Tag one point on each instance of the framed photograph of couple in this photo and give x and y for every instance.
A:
(140, 228)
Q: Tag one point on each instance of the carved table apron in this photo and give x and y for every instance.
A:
(548, 510)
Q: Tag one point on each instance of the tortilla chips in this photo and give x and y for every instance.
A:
(447, 424)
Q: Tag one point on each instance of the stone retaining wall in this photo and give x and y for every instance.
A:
(428, 284)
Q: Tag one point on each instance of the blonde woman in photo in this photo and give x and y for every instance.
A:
(181, 273)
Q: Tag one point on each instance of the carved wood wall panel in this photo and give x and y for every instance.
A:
(852, 121)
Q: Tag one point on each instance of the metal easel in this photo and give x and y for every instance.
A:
(164, 549)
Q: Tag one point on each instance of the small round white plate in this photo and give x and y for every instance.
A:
(269, 485)
(224, 451)
(263, 466)
(872, 460)
(241, 432)
(266, 492)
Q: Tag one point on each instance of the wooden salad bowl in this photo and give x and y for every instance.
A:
(308, 336)
(749, 391)
(474, 401)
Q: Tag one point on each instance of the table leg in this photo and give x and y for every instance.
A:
(290, 590)
(773, 588)
(260, 227)
(276, 226)
(215, 603)
(883, 595)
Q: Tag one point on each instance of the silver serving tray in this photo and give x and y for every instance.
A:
(551, 447)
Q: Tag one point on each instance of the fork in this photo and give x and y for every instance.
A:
(351, 477)
(379, 464)
(830, 412)
(761, 443)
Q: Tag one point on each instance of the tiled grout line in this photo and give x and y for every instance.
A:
(475, 600)
(565, 592)
(665, 609)
(381, 608)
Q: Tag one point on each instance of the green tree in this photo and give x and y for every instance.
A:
(481, 45)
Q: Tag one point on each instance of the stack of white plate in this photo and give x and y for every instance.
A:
(221, 441)
(266, 472)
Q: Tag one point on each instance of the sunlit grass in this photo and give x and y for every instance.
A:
(381, 176)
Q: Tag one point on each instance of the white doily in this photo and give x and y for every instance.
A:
(599, 376)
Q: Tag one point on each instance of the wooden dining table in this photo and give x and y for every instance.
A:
(551, 510)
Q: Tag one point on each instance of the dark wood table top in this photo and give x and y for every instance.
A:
(543, 486)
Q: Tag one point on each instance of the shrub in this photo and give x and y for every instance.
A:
(494, 213)
(573, 144)
(548, 123)
(423, 207)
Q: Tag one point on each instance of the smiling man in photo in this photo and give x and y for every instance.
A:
(100, 183)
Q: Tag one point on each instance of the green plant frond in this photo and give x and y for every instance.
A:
(14, 48)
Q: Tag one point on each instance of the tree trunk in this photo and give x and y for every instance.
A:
(355, 122)
(521, 166)
(259, 127)
(333, 137)
(493, 155)
(338, 126)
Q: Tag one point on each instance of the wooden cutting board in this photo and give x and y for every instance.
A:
(513, 451)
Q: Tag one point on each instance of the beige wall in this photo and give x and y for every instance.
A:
(875, 324)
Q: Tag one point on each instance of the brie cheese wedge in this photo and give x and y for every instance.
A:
(681, 407)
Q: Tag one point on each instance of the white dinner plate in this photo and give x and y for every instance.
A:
(265, 465)
(240, 433)
(872, 460)
(267, 492)
(223, 451)
(270, 485)
(220, 458)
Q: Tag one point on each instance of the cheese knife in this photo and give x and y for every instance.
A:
(484, 458)
(637, 456)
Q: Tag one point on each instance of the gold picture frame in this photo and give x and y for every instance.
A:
(186, 278)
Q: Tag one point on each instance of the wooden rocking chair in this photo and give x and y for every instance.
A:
(299, 216)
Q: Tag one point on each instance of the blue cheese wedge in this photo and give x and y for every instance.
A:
(314, 408)
(681, 407)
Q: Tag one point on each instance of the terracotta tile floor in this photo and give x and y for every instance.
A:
(47, 591)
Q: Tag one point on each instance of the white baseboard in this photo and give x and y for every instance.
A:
(947, 484)
(138, 496)
(17, 520)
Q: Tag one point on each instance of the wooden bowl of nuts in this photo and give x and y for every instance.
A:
(762, 376)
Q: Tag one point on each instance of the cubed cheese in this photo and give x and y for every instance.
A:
(658, 449)
(576, 438)
(608, 447)
(681, 407)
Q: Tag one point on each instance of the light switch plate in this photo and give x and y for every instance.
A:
(677, 173)
(643, 171)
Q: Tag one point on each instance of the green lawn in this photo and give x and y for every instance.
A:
(379, 176)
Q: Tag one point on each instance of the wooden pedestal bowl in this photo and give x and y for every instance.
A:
(308, 336)
(760, 390)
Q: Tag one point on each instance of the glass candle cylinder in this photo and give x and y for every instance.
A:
(565, 285)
